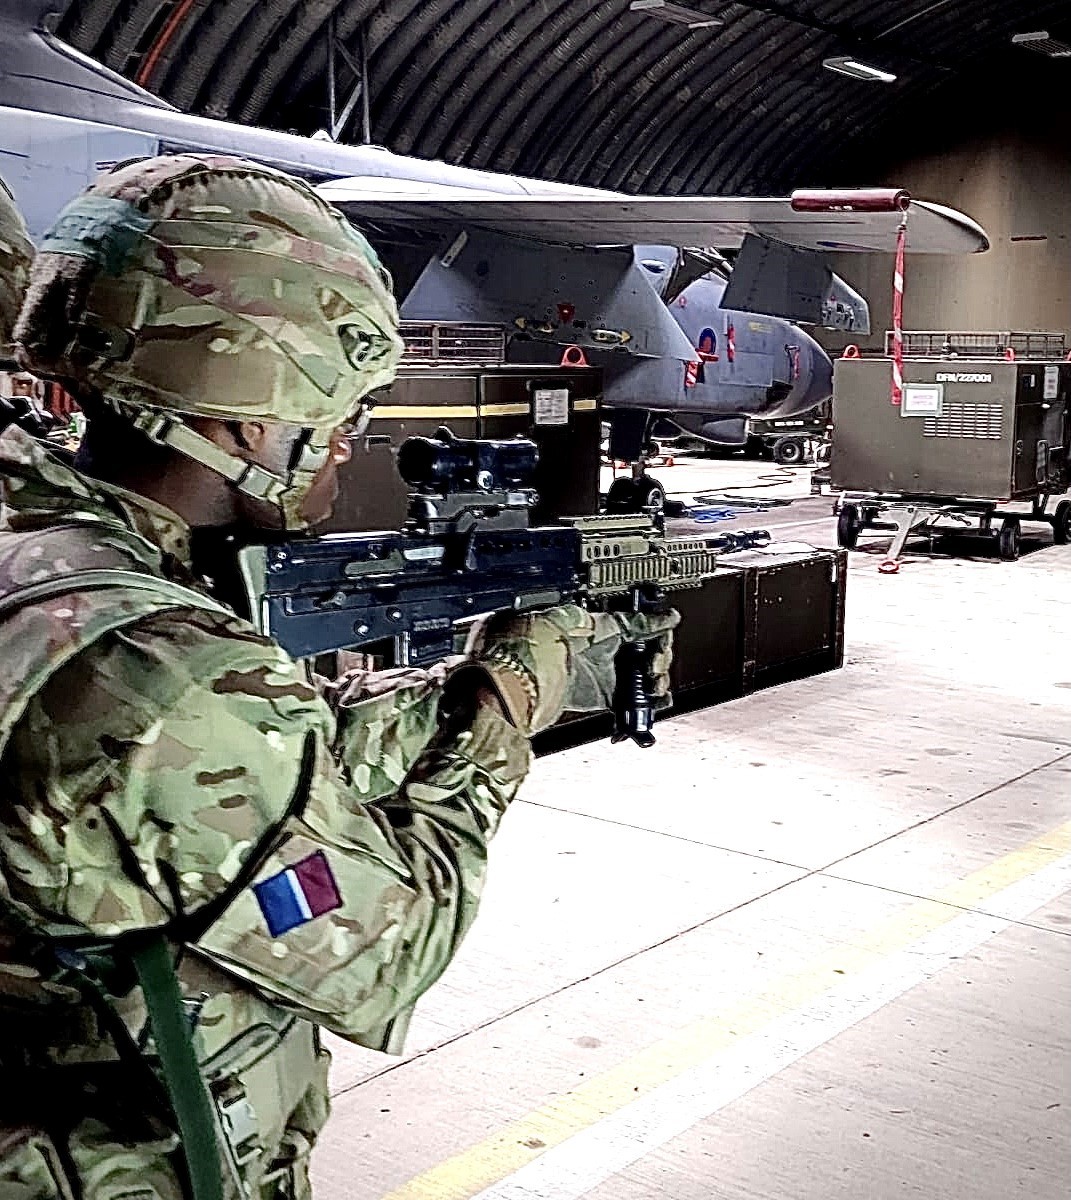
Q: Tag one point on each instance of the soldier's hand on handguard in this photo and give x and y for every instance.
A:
(562, 659)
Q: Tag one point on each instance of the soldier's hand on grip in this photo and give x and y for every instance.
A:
(656, 630)
(562, 659)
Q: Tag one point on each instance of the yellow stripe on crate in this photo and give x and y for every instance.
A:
(505, 410)
(524, 1140)
(412, 412)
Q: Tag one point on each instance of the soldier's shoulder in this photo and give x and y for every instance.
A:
(191, 732)
(62, 549)
(197, 658)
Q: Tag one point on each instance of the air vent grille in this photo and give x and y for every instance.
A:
(428, 343)
(1042, 43)
(965, 420)
(932, 343)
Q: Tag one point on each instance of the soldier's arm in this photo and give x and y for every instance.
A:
(184, 773)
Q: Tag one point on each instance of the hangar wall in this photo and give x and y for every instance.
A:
(1018, 186)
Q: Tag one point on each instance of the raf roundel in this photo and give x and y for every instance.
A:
(298, 895)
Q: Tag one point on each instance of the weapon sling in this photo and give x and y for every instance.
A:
(185, 1087)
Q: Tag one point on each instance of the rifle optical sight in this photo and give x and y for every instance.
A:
(447, 464)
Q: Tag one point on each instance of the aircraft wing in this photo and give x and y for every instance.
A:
(813, 220)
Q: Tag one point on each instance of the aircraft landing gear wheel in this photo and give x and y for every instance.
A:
(1009, 539)
(634, 495)
(849, 526)
(1061, 523)
(788, 451)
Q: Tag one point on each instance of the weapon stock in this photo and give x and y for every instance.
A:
(470, 552)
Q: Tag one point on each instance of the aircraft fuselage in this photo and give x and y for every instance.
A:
(64, 118)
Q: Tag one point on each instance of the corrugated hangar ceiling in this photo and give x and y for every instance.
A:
(587, 91)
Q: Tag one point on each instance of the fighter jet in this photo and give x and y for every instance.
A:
(683, 337)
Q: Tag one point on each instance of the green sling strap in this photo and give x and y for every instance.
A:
(178, 1062)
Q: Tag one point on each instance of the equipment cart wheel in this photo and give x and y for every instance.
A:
(849, 526)
(1061, 523)
(1009, 538)
(634, 495)
(789, 451)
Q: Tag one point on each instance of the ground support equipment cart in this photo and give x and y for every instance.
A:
(978, 444)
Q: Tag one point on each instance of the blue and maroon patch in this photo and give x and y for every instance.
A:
(298, 895)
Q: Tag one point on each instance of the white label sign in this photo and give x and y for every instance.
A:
(1052, 382)
(551, 406)
(922, 400)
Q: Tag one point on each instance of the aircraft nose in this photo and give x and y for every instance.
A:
(815, 383)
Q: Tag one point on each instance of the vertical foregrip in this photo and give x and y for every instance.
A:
(633, 710)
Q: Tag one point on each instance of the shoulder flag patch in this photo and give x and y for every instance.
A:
(299, 894)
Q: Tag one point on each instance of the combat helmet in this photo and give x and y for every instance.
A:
(204, 285)
(16, 255)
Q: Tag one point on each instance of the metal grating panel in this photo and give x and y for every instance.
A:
(962, 419)
(436, 342)
(932, 343)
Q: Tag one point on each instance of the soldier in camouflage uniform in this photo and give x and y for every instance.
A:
(170, 778)
(16, 255)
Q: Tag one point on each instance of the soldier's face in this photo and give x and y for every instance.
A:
(278, 448)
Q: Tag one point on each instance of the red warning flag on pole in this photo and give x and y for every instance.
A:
(897, 391)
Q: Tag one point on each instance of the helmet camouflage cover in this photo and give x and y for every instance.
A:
(212, 286)
(16, 254)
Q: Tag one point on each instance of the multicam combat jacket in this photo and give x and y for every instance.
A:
(164, 766)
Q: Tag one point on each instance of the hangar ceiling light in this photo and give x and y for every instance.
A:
(677, 13)
(1042, 43)
(844, 64)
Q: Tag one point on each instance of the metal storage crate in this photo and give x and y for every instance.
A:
(557, 407)
(766, 617)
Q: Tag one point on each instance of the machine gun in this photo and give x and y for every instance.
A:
(467, 549)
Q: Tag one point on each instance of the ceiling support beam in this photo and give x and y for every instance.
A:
(359, 89)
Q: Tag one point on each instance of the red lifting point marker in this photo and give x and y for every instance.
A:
(574, 357)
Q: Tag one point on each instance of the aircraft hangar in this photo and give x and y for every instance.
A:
(815, 941)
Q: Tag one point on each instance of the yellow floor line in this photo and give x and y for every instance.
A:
(523, 1140)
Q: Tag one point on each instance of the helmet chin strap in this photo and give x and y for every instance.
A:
(169, 430)
(285, 492)
(166, 429)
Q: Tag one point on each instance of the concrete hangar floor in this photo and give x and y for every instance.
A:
(816, 943)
